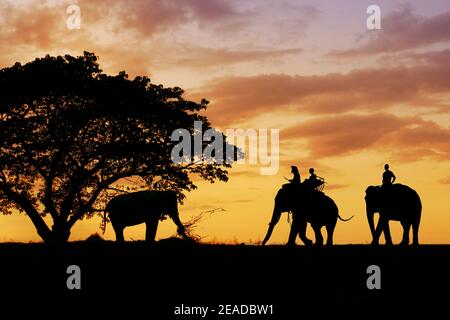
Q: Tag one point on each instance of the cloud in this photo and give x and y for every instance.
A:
(331, 136)
(288, 20)
(214, 57)
(440, 57)
(424, 140)
(423, 83)
(214, 17)
(406, 138)
(41, 22)
(236, 99)
(29, 25)
(254, 24)
(445, 180)
(158, 34)
(336, 186)
(401, 30)
(152, 16)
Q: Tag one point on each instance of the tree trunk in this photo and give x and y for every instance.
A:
(59, 234)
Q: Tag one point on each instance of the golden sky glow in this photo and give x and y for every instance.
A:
(346, 99)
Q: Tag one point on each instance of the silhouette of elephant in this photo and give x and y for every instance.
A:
(143, 207)
(306, 205)
(397, 202)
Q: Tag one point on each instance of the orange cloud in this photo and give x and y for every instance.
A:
(424, 140)
(439, 58)
(407, 139)
(139, 35)
(331, 136)
(236, 99)
(213, 57)
(29, 25)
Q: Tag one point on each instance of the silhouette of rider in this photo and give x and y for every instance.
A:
(313, 180)
(388, 176)
(313, 176)
(296, 178)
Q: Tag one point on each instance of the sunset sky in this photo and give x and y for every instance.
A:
(346, 99)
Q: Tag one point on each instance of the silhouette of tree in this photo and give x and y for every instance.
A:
(68, 131)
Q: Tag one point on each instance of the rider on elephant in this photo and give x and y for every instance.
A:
(296, 178)
(313, 181)
(295, 181)
(388, 177)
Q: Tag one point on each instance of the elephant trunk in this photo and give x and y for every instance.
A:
(370, 219)
(275, 218)
(268, 234)
(181, 228)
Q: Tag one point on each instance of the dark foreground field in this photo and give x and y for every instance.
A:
(150, 282)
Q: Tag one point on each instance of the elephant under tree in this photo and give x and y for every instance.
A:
(396, 202)
(306, 205)
(143, 207)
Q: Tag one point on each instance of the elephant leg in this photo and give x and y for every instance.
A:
(293, 233)
(299, 227)
(330, 231)
(318, 234)
(387, 233)
(380, 227)
(118, 230)
(415, 230)
(151, 228)
(406, 227)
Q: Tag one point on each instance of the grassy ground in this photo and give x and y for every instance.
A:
(136, 278)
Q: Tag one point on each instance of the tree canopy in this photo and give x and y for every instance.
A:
(68, 131)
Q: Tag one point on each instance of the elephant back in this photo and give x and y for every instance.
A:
(320, 202)
(305, 199)
(397, 197)
(402, 192)
(408, 194)
(143, 200)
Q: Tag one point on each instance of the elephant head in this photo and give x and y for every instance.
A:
(373, 203)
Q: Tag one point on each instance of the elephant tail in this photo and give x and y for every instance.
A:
(340, 218)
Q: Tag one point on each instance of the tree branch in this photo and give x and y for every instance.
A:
(41, 227)
(48, 202)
